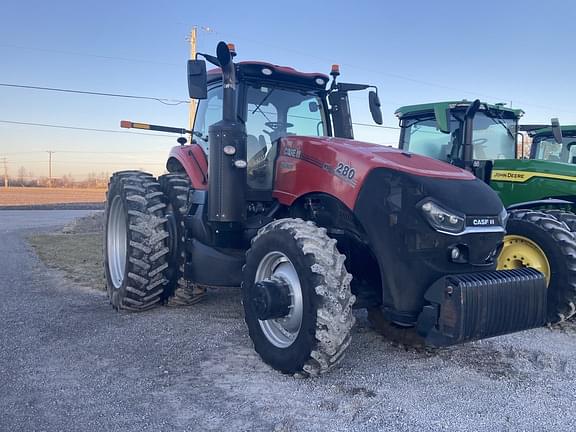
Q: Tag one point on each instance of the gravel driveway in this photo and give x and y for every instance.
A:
(68, 362)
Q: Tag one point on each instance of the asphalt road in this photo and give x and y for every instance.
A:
(14, 220)
(68, 362)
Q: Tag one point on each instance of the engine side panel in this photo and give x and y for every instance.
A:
(193, 159)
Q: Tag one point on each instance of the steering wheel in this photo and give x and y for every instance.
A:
(480, 141)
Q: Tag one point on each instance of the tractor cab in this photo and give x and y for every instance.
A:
(551, 147)
(463, 133)
(273, 102)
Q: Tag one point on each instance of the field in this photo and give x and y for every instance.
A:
(17, 196)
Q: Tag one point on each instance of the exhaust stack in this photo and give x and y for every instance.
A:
(227, 156)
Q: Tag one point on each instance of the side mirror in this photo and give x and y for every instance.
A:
(375, 110)
(556, 130)
(442, 116)
(197, 79)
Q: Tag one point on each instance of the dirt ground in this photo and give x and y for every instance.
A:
(19, 196)
(198, 371)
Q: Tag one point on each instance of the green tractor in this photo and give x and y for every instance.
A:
(540, 193)
(553, 144)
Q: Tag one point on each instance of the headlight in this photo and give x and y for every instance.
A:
(442, 219)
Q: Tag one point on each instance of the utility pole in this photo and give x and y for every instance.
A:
(50, 167)
(5, 162)
(193, 104)
(193, 39)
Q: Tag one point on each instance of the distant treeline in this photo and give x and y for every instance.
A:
(27, 179)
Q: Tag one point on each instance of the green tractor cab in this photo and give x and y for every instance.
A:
(540, 193)
(550, 148)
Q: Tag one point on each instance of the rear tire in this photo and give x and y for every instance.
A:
(321, 283)
(135, 242)
(557, 244)
(176, 186)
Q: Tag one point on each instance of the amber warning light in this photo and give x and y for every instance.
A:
(232, 49)
(335, 70)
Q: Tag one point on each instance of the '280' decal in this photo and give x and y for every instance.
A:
(345, 171)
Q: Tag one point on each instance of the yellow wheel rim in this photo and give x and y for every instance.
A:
(521, 252)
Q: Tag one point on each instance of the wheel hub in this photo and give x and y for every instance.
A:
(116, 241)
(521, 252)
(280, 299)
(271, 299)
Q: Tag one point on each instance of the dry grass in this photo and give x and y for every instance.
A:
(78, 255)
(16, 196)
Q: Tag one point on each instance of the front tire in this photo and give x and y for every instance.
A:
(535, 239)
(568, 218)
(135, 242)
(312, 338)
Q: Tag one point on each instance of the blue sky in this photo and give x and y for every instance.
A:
(518, 52)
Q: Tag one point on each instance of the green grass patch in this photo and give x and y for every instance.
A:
(79, 256)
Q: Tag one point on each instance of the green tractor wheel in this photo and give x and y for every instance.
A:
(563, 216)
(538, 240)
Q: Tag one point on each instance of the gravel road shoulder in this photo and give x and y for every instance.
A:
(70, 362)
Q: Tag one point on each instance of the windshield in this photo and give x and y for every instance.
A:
(547, 149)
(275, 112)
(493, 137)
(272, 113)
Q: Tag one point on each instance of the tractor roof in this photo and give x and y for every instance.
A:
(263, 71)
(568, 130)
(410, 110)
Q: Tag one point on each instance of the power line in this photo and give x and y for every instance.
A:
(165, 101)
(105, 57)
(388, 74)
(285, 49)
(81, 128)
(73, 162)
(81, 152)
(376, 126)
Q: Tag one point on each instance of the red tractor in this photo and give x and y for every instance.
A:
(274, 195)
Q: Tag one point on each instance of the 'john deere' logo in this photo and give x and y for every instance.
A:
(524, 176)
(509, 175)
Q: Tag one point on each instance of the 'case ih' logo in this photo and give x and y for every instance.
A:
(292, 152)
(483, 222)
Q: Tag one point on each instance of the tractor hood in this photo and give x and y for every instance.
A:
(367, 156)
(338, 167)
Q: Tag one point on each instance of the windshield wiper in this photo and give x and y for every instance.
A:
(264, 99)
(501, 122)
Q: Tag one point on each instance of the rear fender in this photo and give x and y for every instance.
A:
(192, 159)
